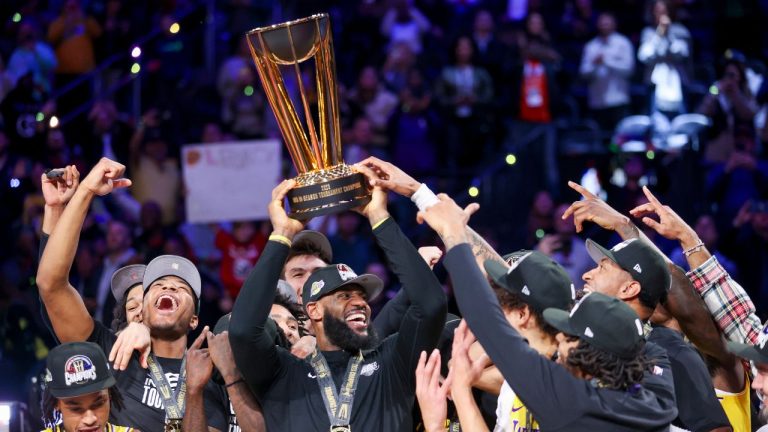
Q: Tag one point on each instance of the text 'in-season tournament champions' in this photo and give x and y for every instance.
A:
(325, 184)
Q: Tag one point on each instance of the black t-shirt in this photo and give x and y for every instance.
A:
(229, 410)
(697, 404)
(142, 404)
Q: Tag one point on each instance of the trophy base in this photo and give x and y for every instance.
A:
(329, 196)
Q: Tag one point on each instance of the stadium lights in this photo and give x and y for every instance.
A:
(40, 116)
(135, 68)
(474, 191)
(16, 17)
(510, 159)
(136, 52)
(53, 122)
(248, 90)
(175, 27)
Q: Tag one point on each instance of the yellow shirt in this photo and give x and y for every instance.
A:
(736, 407)
(514, 416)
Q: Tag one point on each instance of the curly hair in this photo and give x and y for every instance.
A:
(608, 369)
(512, 302)
(119, 317)
(294, 309)
(51, 414)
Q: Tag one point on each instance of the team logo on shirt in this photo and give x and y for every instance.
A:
(79, 369)
(369, 369)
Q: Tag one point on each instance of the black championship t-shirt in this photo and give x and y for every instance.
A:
(697, 404)
(226, 405)
(143, 406)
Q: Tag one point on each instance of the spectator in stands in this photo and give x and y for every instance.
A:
(489, 52)
(349, 245)
(566, 248)
(152, 235)
(412, 126)
(532, 134)
(400, 62)
(32, 55)
(229, 81)
(707, 231)
(240, 249)
(465, 92)
(578, 24)
(732, 108)
(57, 153)
(539, 217)
(109, 137)
(117, 35)
(665, 50)
(360, 144)
(403, 22)
(607, 64)
(119, 254)
(370, 98)
(19, 110)
(156, 176)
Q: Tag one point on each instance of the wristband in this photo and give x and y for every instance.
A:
(424, 197)
(238, 381)
(378, 224)
(281, 239)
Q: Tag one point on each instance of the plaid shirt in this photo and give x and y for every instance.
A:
(728, 303)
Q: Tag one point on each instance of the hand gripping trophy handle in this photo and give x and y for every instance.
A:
(325, 184)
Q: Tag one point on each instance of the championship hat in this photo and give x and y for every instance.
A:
(126, 278)
(328, 279)
(76, 369)
(537, 279)
(641, 261)
(604, 322)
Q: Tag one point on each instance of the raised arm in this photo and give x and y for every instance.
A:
(545, 387)
(247, 334)
(420, 328)
(393, 178)
(69, 317)
(725, 299)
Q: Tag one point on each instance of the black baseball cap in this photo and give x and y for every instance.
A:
(536, 278)
(313, 240)
(126, 278)
(604, 322)
(328, 279)
(756, 353)
(77, 369)
(641, 261)
(173, 265)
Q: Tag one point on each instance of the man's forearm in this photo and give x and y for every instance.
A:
(59, 253)
(51, 216)
(194, 412)
(250, 417)
(480, 248)
(470, 417)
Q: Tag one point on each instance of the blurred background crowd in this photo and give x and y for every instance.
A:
(496, 101)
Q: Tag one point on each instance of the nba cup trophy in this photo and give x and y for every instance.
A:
(325, 184)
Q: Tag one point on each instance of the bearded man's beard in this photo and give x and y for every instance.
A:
(338, 333)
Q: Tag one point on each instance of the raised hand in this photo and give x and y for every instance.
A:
(134, 337)
(465, 371)
(670, 225)
(199, 364)
(282, 224)
(58, 191)
(221, 356)
(447, 218)
(105, 177)
(431, 394)
(304, 346)
(593, 209)
(390, 177)
(376, 209)
(431, 255)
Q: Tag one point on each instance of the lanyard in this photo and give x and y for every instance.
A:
(338, 406)
(173, 403)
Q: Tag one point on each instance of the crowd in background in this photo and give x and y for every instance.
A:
(441, 88)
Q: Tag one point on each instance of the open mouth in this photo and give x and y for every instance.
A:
(357, 320)
(167, 303)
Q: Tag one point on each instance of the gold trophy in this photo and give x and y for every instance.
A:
(325, 184)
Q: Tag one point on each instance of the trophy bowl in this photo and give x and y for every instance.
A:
(325, 184)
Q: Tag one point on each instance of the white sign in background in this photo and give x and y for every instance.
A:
(230, 181)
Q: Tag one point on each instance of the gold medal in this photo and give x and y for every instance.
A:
(172, 425)
(345, 428)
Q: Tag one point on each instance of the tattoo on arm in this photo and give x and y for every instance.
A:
(629, 231)
(480, 248)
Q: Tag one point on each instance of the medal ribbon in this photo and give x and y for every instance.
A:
(338, 406)
(173, 402)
